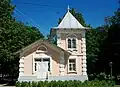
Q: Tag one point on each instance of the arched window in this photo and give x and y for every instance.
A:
(71, 41)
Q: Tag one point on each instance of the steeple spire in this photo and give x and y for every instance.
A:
(69, 21)
(68, 8)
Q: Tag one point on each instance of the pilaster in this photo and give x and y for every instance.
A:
(62, 64)
(21, 66)
(83, 45)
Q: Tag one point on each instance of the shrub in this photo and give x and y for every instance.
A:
(74, 83)
(101, 76)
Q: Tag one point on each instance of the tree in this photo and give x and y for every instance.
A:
(115, 19)
(5, 16)
(110, 49)
(13, 39)
(14, 35)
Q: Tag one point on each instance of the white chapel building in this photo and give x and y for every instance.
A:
(43, 60)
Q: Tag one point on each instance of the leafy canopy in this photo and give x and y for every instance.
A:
(14, 35)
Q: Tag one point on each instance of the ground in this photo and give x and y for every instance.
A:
(4, 85)
(7, 83)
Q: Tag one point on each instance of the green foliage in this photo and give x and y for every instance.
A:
(74, 83)
(95, 38)
(100, 77)
(115, 19)
(6, 10)
(110, 48)
(14, 35)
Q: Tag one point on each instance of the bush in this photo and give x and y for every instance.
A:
(101, 76)
(75, 83)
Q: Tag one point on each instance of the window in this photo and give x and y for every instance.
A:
(74, 43)
(35, 66)
(42, 60)
(72, 64)
(71, 43)
(36, 61)
(48, 60)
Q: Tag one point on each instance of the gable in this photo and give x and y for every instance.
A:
(42, 45)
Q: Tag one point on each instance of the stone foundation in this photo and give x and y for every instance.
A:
(82, 78)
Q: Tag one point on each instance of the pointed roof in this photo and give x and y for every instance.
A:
(69, 21)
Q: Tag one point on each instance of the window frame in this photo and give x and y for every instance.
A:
(72, 71)
(39, 58)
(35, 67)
(72, 47)
(69, 44)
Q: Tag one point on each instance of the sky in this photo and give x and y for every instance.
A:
(44, 14)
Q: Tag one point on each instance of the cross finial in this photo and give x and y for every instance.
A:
(68, 8)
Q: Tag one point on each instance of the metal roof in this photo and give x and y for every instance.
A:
(69, 21)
